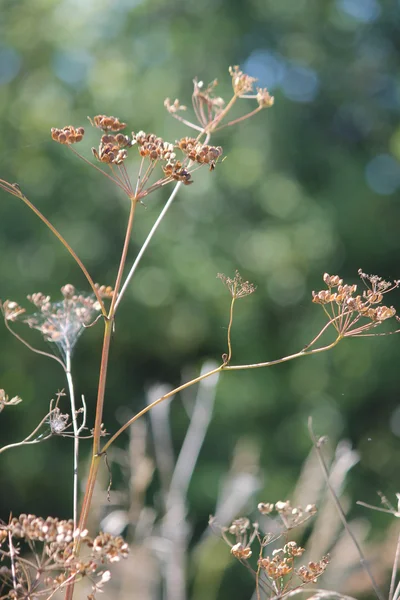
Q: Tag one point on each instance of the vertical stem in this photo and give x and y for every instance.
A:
(123, 259)
(229, 330)
(147, 242)
(108, 329)
(76, 436)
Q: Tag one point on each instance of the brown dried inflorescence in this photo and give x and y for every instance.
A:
(57, 539)
(203, 154)
(313, 570)
(346, 308)
(237, 287)
(153, 147)
(107, 123)
(67, 135)
(278, 566)
(178, 172)
(210, 110)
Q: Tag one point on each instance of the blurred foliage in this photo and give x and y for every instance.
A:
(309, 186)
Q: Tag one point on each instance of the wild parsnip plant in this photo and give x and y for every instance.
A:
(62, 551)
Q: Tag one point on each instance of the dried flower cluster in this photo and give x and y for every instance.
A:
(112, 149)
(6, 401)
(107, 123)
(67, 135)
(345, 308)
(277, 568)
(280, 563)
(241, 83)
(294, 516)
(59, 322)
(57, 538)
(314, 570)
(211, 109)
(237, 287)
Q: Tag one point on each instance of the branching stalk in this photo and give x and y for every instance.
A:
(146, 243)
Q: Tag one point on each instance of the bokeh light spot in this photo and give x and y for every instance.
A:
(383, 174)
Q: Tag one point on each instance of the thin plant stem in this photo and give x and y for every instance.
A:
(11, 546)
(118, 281)
(114, 180)
(108, 329)
(280, 360)
(213, 125)
(378, 508)
(223, 367)
(21, 339)
(229, 330)
(239, 119)
(146, 243)
(363, 561)
(396, 595)
(394, 569)
(75, 428)
(28, 439)
(15, 191)
(158, 401)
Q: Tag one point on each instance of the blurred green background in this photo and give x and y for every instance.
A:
(309, 186)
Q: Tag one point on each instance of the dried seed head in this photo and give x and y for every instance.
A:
(67, 135)
(58, 421)
(237, 287)
(177, 172)
(314, 570)
(239, 526)
(264, 99)
(11, 310)
(265, 508)
(241, 83)
(174, 107)
(107, 123)
(241, 552)
(351, 307)
(110, 153)
(293, 549)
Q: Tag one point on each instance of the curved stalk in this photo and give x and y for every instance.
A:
(223, 367)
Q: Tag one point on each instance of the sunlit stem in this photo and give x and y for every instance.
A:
(229, 330)
(213, 125)
(223, 367)
(28, 439)
(239, 119)
(123, 259)
(158, 401)
(75, 428)
(146, 243)
(108, 329)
